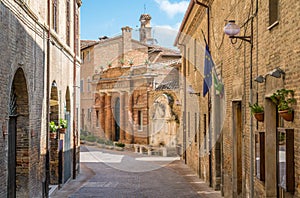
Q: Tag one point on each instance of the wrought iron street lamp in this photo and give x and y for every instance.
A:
(231, 29)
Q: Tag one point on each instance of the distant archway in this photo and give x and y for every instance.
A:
(18, 138)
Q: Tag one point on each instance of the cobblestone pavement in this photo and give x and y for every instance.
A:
(122, 174)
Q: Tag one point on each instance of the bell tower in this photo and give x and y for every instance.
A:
(145, 29)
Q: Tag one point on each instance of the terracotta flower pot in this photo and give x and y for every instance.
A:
(259, 116)
(52, 135)
(62, 130)
(287, 115)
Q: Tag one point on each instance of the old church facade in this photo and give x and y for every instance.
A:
(119, 77)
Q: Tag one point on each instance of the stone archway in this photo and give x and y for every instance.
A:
(18, 144)
(55, 173)
(54, 109)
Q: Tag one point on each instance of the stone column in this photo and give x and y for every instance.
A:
(108, 120)
(130, 125)
(102, 115)
(122, 116)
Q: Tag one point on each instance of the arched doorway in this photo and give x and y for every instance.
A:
(18, 138)
(55, 156)
(117, 119)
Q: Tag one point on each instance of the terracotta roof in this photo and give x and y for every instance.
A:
(87, 43)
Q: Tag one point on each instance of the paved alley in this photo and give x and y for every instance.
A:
(107, 173)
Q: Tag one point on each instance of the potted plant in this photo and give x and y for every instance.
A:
(130, 62)
(109, 64)
(122, 62)
(284, 99)
(63, 125)
(147, 62)
(257, 111)
(119, 146)
(53, 129)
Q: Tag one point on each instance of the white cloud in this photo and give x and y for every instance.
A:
(165, 35)
(172, 8)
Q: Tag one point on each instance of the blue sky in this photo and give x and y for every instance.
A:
(106, 18)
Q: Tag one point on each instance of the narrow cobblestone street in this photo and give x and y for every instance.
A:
(108, 173)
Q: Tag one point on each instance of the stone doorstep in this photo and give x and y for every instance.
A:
(52, 189)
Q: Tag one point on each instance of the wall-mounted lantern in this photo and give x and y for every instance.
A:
(231, 29)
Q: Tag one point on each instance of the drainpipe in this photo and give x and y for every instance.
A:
(47, 166)
(75, 131)
(251, 117)
(250, 100)
(184, 106)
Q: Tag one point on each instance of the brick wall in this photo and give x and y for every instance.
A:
(23, 64)
(22, 50)
(272, 47)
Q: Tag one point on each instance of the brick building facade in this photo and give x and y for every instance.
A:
(118, 78)
(35, 49)
(248, 158)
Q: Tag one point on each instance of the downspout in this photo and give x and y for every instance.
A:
(47, 166)
(75, 132)
(184, 106)
(250, 100)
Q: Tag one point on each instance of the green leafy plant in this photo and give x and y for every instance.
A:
(101, 141)
(91, 138)
(122, 61)
(109, 142)
(256, 108)
(130, 62)
(53, 127)
(63, 123)
(147, 62)
(284, 99)
(109, 64)
(120, 144)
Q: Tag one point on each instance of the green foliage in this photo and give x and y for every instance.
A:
(101, 141)
(147, 62)
(120, 144)
(130, 62)
(90, 138)
(53, 126)
(284, 99)
(256, 108)
(82, 137)
(122, 61)
(63, 123)
(109, 142)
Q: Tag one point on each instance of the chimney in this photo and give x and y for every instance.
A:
(127, 36)
(145, 30)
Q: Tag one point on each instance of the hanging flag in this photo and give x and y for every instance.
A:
(209, 74)
(219, 87)
(208, 65)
